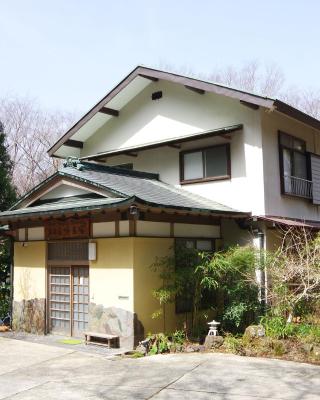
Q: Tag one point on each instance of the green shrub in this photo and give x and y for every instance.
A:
(277, 327)
(233, 345)
(234, 271)
(178, 337)
(159, 343)
(308, 333)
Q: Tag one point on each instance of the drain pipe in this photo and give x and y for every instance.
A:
(258, 243)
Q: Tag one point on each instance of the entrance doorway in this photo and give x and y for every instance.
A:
(68, 305)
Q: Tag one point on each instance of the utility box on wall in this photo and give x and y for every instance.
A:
(92, 253)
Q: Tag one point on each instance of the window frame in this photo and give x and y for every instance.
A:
(281, 147)
(205, 179)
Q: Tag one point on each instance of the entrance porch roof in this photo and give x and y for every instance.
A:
(122, 189)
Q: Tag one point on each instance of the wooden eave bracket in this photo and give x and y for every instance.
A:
(109, 111)
(73, 143)
(150, 78)
(194, 89)
(250, 105)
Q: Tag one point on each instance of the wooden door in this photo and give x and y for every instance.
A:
(59, 300)
(68, 299)
(80, 306)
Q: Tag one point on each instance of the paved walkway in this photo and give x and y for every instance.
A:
(37, 371)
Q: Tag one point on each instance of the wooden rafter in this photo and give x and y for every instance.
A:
(74, 143)
(194, 89)
(150, 78)
(109, 111)
(250, 105)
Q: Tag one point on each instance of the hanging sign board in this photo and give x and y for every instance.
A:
(69, 229)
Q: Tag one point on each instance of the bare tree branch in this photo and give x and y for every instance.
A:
(30, 132)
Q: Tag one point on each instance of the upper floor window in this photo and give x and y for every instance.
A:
(211, 163)
(294, 166)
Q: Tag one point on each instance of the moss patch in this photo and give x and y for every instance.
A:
(70, 341)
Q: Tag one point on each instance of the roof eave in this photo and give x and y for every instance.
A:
(125, 203)
(296, 114)
(63, 174)
(86, 117)
(41, 213)
(194, 83)
(169, 76)
(182, 139)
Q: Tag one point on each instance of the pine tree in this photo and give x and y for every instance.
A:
(7, 198)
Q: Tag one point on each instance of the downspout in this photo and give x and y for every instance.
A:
(258, 243)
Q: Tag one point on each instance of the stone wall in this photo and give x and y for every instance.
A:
(29, 316)
(116, 321)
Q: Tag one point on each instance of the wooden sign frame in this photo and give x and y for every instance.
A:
(71, 228)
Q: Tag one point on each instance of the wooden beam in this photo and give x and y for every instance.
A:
(109, 111)
(132, 227)
(74, 143)
(185, 139)
(194, 89)
(150, 78)
(250, 105)
(116, 228)
(188, 219)
(171, 229)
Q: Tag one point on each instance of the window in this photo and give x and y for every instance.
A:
(206, 164)
(186, 259)
(294, 166)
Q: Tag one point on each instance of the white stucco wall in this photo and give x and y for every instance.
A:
(182, 112)
(277, 204)
(255, 183)
(178, 112)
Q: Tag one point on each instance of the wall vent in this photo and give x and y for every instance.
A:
(156, 95)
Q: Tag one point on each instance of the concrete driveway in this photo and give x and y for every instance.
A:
(38, 371)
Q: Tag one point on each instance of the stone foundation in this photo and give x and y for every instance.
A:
(116, 321)
(29, 316)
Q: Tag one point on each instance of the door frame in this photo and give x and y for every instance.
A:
(56, 263)
(71, 266)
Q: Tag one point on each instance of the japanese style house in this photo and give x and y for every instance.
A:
(161, 159)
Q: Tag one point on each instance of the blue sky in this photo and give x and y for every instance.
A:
(69, 53)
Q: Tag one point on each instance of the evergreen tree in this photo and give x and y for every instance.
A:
(7, 190)
(7, 198)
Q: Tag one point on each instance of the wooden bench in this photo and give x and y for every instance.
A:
(101, 339)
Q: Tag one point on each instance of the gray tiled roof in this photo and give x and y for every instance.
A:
(125, 187)
(146, 186)
(75, 205)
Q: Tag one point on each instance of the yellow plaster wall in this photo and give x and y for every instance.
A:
(29, 270)
(111, 275)
(145, 281)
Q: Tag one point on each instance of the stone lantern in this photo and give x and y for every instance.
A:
(213, 328)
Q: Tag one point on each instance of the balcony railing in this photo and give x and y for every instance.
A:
(297, 186)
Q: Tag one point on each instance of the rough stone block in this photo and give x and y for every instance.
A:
(116, 321)
(213, 342)
(29, 316)
(254, 331)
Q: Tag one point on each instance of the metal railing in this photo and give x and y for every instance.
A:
(297, 186)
